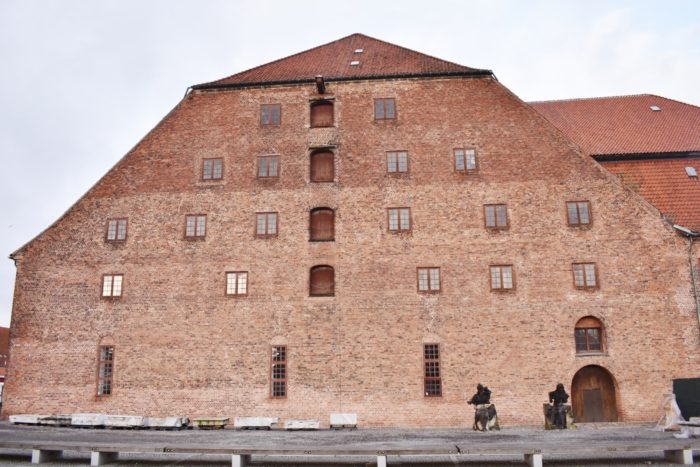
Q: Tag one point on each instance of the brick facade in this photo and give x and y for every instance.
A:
(182, 346)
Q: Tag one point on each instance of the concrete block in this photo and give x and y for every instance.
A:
(25, 419)
(124, 421)
(680, 456)
(255, 422)
(101, 458)
(166, 422)
(533, 460)
(302, 424)
(343, 419)
(40, 456)
(381, 461)
(240, 460)
(55, 420)
(87, 419)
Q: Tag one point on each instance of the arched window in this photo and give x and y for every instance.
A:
(589, 335)
(322, 225)
(322, 281)
(322, 166)
(321, 114)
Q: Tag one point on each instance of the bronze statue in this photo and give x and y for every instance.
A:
(557, 414)
(485, 416)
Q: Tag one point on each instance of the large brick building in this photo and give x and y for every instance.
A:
(355, 228)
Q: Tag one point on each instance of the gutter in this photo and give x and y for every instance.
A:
(691, 235)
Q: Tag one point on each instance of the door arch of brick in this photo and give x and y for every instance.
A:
(593, 395)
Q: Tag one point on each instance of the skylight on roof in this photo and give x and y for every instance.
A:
(355, 63)
(655, 108)
(359, 51)
(691, 171)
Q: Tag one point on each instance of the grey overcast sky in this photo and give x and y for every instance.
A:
(82, 81)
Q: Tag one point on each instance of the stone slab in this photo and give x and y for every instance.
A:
(302, 424)
(343, 419)
(255, 422)
(87, 419)
(124, 421)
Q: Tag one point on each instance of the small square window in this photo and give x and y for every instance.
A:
(237, 283)
(116, 230)
(496, 216)
(585, 275)
(112, 285)
(502, 277)
(195, 226)
(578, 213)
(385, 109)
(397, 162)
(266, 224)
(268, 166)
(212, 169)
(465, 160)
(399, 219)
(270, 114)
(428, 280)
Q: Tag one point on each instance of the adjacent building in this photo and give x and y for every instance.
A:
(355, 228)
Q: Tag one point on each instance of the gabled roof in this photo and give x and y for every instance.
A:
(334, 61)
(626, 124)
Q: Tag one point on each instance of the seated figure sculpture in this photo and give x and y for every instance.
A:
(485, 417)
(558, 410)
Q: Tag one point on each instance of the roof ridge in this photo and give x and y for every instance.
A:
(576, 99)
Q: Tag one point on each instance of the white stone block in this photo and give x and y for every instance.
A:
(55, 420)
(343, 419)
(255, 422)
(302, 424)
(124, 421)
(25, 419)
(87, 419)
(166, 422)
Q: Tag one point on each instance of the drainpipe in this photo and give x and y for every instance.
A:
(693, 276)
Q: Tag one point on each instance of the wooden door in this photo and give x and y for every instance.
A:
(593, 395)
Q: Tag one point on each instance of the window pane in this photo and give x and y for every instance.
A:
(432, 369)
(379, 109)
(218, 168)
(502, 220)
(260, 228)
(207, 170)
(393, 219)
(272, 167)
(112, 230)
(490, 212)
(434, 279)
(593, 339)
(201, 226)
(572, 213)
(391, 162)
(580, 335)
(279, 389)
(272, 224)
(242, 283)
(107, 286)
(231, 283)
(507, 277)
(431, 351)
(405, 219)
(590, 275)
(471, 159)
(262, 167)
(583, 213)
(121, 230)
(403, 162)
(459, 160)
(495, 278)
(423, 279)
(117, 286)
(578, 276)
(265, 115)
(189, 231)
(389, 108)
(276, 114)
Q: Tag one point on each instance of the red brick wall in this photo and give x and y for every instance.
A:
(183, 347)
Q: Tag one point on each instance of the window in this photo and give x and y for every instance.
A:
(268, 166)
(397, 162)
(237, 283)
(270, 114)
(278, 386)
(105, 370)
(585, 275)
(428, 280)
(322, 281)
(502, 277)
(589, 335)
(322, 225)
(112, 285)
(465, 160)
(195, 226)
(266, 224)
(399, 219)
(322, 166)
(431, 362)
(385, 109)
(496, 216)
(212, 169)
(578, 212)
(321, 114)
(116, 230)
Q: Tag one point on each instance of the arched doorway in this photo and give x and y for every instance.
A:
(593, 395)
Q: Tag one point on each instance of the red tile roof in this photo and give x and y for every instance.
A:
(626, 124)
(333, 61)
(665, 183)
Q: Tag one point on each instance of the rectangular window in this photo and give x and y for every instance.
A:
(116, 230)
(428, 280)
(585, 276)
(212, 169)
(237, 283)
(385, 109)
(112, 285)
(268, 166)
(105, 370)
(588, 340)
(278, 386)
(502, 277)
(397, 162)
(496, 216)
(195, 226)
(578, 212)
(266, 224)
(465, 160)
(399, 219)
(432, 379)
(270, 114)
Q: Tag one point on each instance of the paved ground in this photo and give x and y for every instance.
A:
(507, 440)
